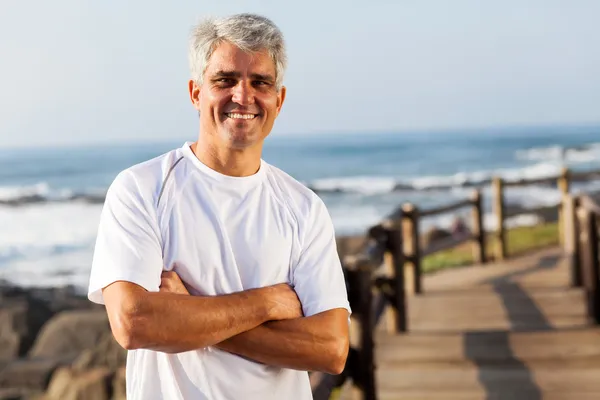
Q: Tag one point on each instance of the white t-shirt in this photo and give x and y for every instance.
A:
(221, 234)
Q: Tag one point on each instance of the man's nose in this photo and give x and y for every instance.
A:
(243, 94)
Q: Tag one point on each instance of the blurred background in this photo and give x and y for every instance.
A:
(388, 102)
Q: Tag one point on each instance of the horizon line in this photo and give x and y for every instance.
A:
(507, 128)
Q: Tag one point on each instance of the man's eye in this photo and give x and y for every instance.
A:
(261, 83)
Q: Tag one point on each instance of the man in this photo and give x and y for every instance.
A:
(264, 298)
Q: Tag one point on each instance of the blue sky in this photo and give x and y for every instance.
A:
(76, 71)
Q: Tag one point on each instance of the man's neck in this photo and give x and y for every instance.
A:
(226, 161)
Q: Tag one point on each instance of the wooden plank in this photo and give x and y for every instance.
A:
(446, 209)
(589, 204)
(549, 181)
(466, 341)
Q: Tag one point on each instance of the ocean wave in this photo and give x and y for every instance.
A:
(43, 193)
(383, 185)
(570, 155)
(361, 184)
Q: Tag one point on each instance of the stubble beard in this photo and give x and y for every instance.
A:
(239, 140)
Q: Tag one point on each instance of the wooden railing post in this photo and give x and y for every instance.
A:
(412, 247)
(365, 388)
(563, 187)
(478, 229)
(398, 262)
(571, 232)
(499, 209)
(588, 240)
(595, 289)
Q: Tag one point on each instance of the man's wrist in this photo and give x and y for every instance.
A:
(261, 298)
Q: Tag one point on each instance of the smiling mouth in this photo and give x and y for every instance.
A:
(241, 116)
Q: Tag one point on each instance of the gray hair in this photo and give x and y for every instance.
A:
(249, 32)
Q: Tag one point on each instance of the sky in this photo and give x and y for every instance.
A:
(83, 71)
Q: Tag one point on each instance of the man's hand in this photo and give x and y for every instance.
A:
(170, 282)
(282, 299)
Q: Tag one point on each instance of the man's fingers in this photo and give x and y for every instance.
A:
(171, 282)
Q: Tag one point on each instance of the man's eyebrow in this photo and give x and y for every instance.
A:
(235, 74)
(227, 74)
(261, 77)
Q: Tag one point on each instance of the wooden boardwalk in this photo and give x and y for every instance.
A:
(511, 330)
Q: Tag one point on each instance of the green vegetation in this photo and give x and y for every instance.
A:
(519, 240)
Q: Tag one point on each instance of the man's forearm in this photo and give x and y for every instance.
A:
(316, 343)
(173, 323)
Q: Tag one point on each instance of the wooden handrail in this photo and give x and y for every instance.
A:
(446, 208)
(550, 181)
(588, 203)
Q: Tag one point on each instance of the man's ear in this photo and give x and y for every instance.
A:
(194, 92)
(281, 98)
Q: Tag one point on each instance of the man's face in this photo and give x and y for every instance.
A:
(238, 100)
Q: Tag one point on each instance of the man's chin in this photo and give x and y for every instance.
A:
(241, 140)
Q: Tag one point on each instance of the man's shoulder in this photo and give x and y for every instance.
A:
(300, 198)
(147, 177)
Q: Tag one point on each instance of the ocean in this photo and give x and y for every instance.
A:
(51, 198)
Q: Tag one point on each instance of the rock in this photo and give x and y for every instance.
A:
(108, 353)
(28, 374)
(63, 299)
(10, 394)
(9, 337)
(21, 318)
(68, 384)
(434, 234)
(349, 245)
(20, 394)
(69, 333)
(119, 387)
(398, 187)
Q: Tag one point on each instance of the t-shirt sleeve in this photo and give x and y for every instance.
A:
(318, 278)
(128, 246)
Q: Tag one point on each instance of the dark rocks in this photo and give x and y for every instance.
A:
(433, 235)
(28, 374)
(20, 394)
(69, 333)
(70, 384)
(30, 199)
(119, 388)
(21, 318)
(57, 345)
(107, 353)
(349, 245)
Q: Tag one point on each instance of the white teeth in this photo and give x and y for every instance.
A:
(240, 116)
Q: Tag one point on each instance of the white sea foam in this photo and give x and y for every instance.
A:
(360, 184)
(43, 192)
(8, 193)
(380, 185)
(48, 245)
(490, 224)
(587, 153)
(353, 219)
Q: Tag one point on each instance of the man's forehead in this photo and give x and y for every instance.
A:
(229, 58)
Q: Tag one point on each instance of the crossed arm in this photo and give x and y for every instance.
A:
(264, 324)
